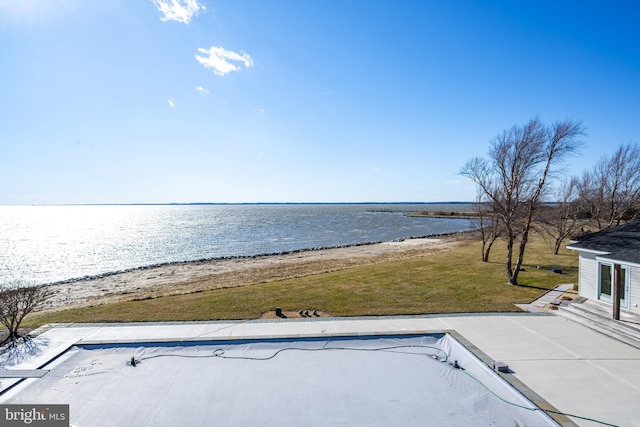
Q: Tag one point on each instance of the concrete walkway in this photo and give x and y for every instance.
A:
(538, 305)
(575, 369)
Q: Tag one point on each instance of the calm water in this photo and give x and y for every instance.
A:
(45, 244)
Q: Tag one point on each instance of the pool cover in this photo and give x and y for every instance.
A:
(424, 380)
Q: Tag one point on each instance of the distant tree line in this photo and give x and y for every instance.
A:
(520, 189)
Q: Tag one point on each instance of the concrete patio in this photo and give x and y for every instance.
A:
(552, 360)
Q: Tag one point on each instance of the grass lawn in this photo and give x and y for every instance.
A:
(451, 281)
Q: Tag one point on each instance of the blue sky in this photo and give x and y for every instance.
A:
(121, 101)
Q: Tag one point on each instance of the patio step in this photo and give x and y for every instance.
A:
(627, 319)
(597, 316)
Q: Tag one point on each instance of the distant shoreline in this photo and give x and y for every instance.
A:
(58, 244)
(197, 276)
(241, 257)
(446, 215)
(244, 203)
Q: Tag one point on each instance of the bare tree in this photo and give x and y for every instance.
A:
(16, 302)
(564, 218)
(488, 223)
(514, 177)
(612, 190)
(591, 197)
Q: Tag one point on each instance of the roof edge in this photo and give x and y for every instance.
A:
(590, 251)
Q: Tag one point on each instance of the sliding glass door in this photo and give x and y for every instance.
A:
(606, 283)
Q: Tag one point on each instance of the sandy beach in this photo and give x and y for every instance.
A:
(205, 275)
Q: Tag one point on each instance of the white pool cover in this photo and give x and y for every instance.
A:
(355, 381)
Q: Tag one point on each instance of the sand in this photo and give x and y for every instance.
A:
(197, 276)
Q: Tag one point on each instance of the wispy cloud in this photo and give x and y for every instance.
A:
(202, 90)
(178, 10)
(223, 61)
(171, 103)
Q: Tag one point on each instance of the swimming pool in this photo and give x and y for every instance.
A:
(387, 380)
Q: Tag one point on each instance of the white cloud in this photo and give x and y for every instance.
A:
(202, 90)
(171, 103)
(223, 61)
(178, 10)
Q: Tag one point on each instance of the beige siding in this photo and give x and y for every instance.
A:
(588, 276)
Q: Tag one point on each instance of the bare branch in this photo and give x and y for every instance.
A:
(16, 302)
(611, 192)
(515, 176)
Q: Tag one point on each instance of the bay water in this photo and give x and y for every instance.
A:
(48, 244)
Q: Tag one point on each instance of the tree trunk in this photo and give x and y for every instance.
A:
(483, 233)
(556, 247)
(487, 249)
(510, 274)
(523, 244)
(485, 252)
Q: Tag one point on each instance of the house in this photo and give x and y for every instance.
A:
(609, 267)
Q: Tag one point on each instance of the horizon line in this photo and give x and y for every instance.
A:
(238, 203)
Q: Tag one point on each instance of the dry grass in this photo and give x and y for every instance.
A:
(415, 282)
